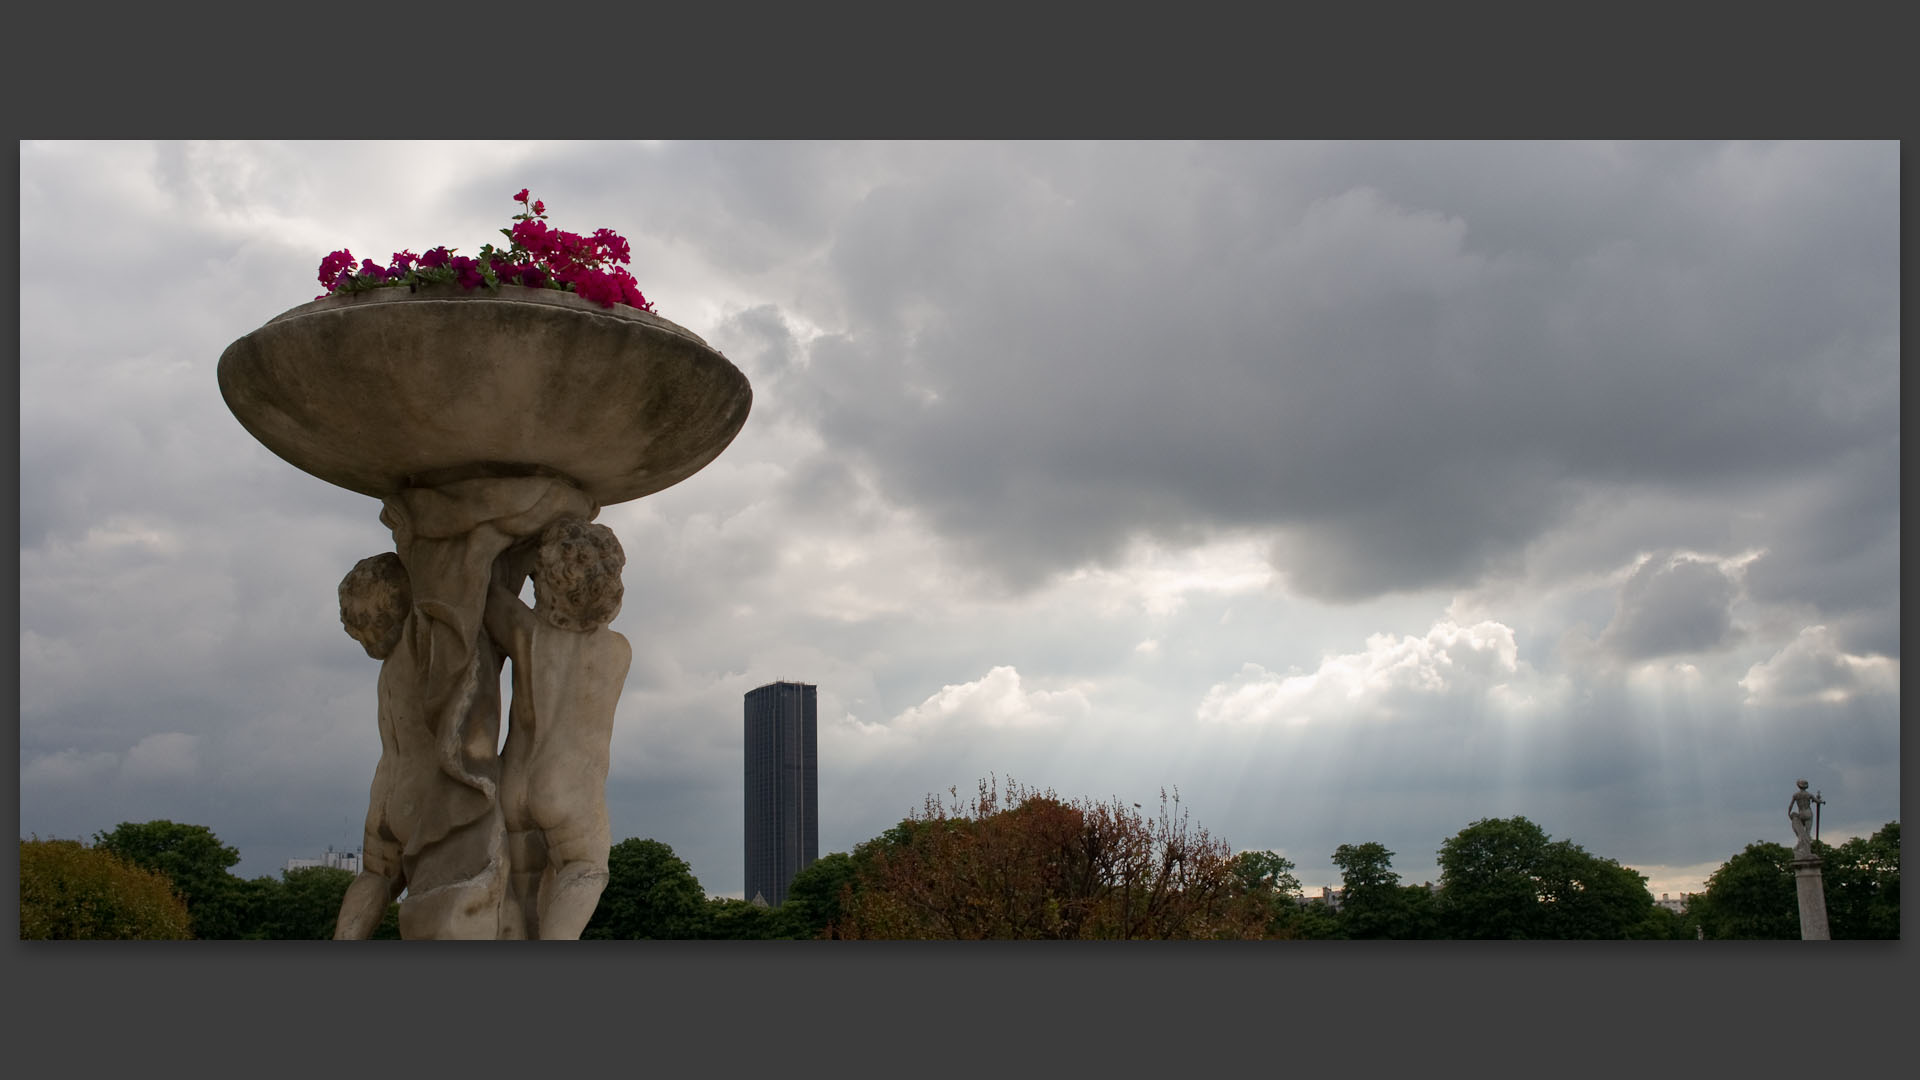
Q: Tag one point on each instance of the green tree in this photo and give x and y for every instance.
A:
(1312, 920)
(1505, 878)
(1487, 879)
(1586, 897)
(195, 861)
(1661, 924)
(1416, 915)
(69, 892)
(1862, 879)
(651, 893)
(814, 896)
(1371, 902)
(302, 906)
(1755, 894)
(742, 920)
(1267, 884)
(1751, 896)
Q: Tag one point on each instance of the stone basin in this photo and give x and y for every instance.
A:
(386, 389)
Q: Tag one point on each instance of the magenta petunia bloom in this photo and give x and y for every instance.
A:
(613, 244)
(541, 257)
(466, 271)
(333, 265)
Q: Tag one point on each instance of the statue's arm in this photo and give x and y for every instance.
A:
(509, 620)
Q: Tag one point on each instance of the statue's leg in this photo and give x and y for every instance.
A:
(527, 862)
(380, 879)
(577, 851)
(376, 886)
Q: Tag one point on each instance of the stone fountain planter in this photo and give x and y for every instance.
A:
(492, 425)
(375, 391)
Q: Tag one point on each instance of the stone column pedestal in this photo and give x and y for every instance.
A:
(1813, 899)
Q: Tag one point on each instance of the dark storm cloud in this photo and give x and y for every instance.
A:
(1669, 607)
(1049, 352)
(1840, 553)
(1391, 366)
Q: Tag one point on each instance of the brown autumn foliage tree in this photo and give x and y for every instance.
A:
(1025, 863)
(69, 892)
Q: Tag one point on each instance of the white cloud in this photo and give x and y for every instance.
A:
(1391, 671)
(995, 700)
(1814, 668)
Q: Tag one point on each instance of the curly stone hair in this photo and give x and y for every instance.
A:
(576, 575)
(375, 597)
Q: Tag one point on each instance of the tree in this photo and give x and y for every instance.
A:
(69, 892)
(1586, 897)
(194, 860)
(1486, 879)
(1752, 895)
(742, 920)
(1371, 904)
(1267, 871)
(650, 893)
(1032, 865)
(302, 906)
(1313, 920)
(1508, 879)
(1862, 879)
(1755, 894)
(815, 896)
(1267, 884)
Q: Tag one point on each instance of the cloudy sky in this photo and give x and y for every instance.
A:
(1356, 491)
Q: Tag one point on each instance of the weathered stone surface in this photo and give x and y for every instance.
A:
(568, 670)
(1812, 894)
(492, 425)
(386, 389)
(435, 825)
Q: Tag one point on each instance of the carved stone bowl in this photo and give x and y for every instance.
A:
(384, 389)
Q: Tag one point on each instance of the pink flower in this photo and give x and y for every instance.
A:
(541, 256)
(596, 286)
(333, 266)
(613, 244)
(466, 271)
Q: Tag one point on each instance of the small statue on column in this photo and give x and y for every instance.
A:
(1802, 811)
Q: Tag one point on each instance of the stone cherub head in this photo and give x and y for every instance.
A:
(375, 597)
(576, 575)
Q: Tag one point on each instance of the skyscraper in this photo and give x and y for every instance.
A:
(783, 787)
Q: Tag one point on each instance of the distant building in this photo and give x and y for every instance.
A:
(1675, 904)
(782, 787)
(338, 860)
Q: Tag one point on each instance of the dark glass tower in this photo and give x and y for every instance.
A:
(783, 787)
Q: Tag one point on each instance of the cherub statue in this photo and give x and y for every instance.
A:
(568, 670)
(375, 598)
(434, 825)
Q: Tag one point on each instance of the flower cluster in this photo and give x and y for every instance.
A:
(540, 257)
